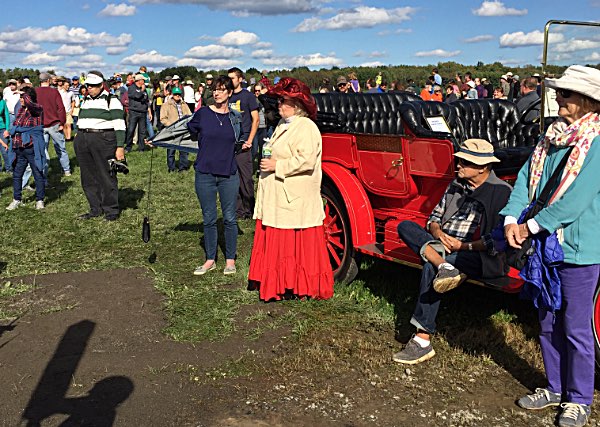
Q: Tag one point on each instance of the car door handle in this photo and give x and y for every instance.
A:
(398, 162)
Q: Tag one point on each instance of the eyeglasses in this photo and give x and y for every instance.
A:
(220, 90)
(564, 93)
(342, 84)
(257, 91)
(91, 85)
(437, 91)
(466, 163)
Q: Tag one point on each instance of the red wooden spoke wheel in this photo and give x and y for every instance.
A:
(338, 236)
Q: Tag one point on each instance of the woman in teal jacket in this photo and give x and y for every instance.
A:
(572, 212)
(4, 126)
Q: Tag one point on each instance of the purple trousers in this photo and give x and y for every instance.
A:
(567, 339)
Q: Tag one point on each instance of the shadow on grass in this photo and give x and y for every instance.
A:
(195, 227)
(98, 407)
(130, 198)
(465, 319)
(3, 265)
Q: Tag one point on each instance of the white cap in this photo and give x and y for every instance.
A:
(509, 74)
(580, 79)
(175, 77)
(471, 83)
(189, 82)
(93, 79)
(503, 76)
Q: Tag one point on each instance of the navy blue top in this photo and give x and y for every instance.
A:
(244, 102)
(216, 142)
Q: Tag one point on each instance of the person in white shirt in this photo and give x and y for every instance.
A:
(188, 94)
(11, 97)
(69, 102)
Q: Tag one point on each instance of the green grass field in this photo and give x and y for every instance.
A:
(476, 321)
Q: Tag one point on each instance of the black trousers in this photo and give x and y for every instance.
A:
(245, 202)
(138, 120)
(93, 150)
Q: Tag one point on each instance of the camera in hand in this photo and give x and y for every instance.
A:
(118, 166)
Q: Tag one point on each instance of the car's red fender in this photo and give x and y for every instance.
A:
(358, 206)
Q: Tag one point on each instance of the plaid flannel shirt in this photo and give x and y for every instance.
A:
(30, 115)
(463, 224)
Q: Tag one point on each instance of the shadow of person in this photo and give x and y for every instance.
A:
(98, 408)
(3, 266)
(130, 198)
(465, 318)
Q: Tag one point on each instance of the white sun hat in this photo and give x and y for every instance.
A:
(580, 79)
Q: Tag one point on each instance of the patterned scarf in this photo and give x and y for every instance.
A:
(560, 134)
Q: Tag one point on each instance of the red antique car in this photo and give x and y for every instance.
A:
(382, 164)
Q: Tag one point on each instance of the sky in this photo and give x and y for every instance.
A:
(73, 36)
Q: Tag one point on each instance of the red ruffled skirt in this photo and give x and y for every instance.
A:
(293, 261)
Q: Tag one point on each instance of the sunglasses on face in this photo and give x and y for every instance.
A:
(466, 163)
(96, 85)
(564, 93)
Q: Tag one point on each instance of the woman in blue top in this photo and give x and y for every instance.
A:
(219, 130)
(572, 212)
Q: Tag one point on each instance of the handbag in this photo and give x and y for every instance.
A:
(517, 258)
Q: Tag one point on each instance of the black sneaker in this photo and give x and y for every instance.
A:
(111, 217)
(413, 353)
(541, 399)
(446, 280)
(573, 415)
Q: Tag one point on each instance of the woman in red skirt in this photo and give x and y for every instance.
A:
(289, 256)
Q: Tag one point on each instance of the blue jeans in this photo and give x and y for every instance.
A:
(4, 152)
(58, 139)
(207, 187)
(183, 159)
(428, 303)
(25, 156)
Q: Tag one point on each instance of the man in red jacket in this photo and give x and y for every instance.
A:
(54, 122)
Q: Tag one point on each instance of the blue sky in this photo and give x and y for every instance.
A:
(71, 36)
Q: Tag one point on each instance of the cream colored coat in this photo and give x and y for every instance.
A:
(291, 197)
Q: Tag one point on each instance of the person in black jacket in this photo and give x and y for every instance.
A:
(138, 110)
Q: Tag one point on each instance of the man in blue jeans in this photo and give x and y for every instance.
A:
(54, 121)
(457, 242)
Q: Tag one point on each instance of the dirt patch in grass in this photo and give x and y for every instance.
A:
(88, 347)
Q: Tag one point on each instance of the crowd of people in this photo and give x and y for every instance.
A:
(289, 257)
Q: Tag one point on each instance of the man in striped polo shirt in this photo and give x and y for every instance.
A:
(100, 138)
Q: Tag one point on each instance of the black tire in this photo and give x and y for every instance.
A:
(338, 234)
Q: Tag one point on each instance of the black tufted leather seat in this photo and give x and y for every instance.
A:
(371, 113)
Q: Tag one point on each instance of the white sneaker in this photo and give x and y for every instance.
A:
(68, 173)
(39, 205)
(13, 205)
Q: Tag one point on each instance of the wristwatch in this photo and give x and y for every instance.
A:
(470, 246)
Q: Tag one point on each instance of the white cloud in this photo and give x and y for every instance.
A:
(23, 47)
(534, 38)
(213, 51)
(512, 61)
(311, 60)
(249, 7)
(479, 39)
(116, 50)
(441, 53)
(150, 59)
(595, 56)
(87, 61)
(208, 64)
(43, 58)
(263, 45)
(497, 8)
(372, 64)
(71, 50)
(262, 53)
(238, 38)
(121, 9)
(63, 34)
(374, 54)
(573, 45)
(394, 32)
(359, 17)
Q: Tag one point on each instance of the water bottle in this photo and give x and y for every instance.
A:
(267, 149)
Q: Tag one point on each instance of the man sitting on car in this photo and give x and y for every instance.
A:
(457, 242)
